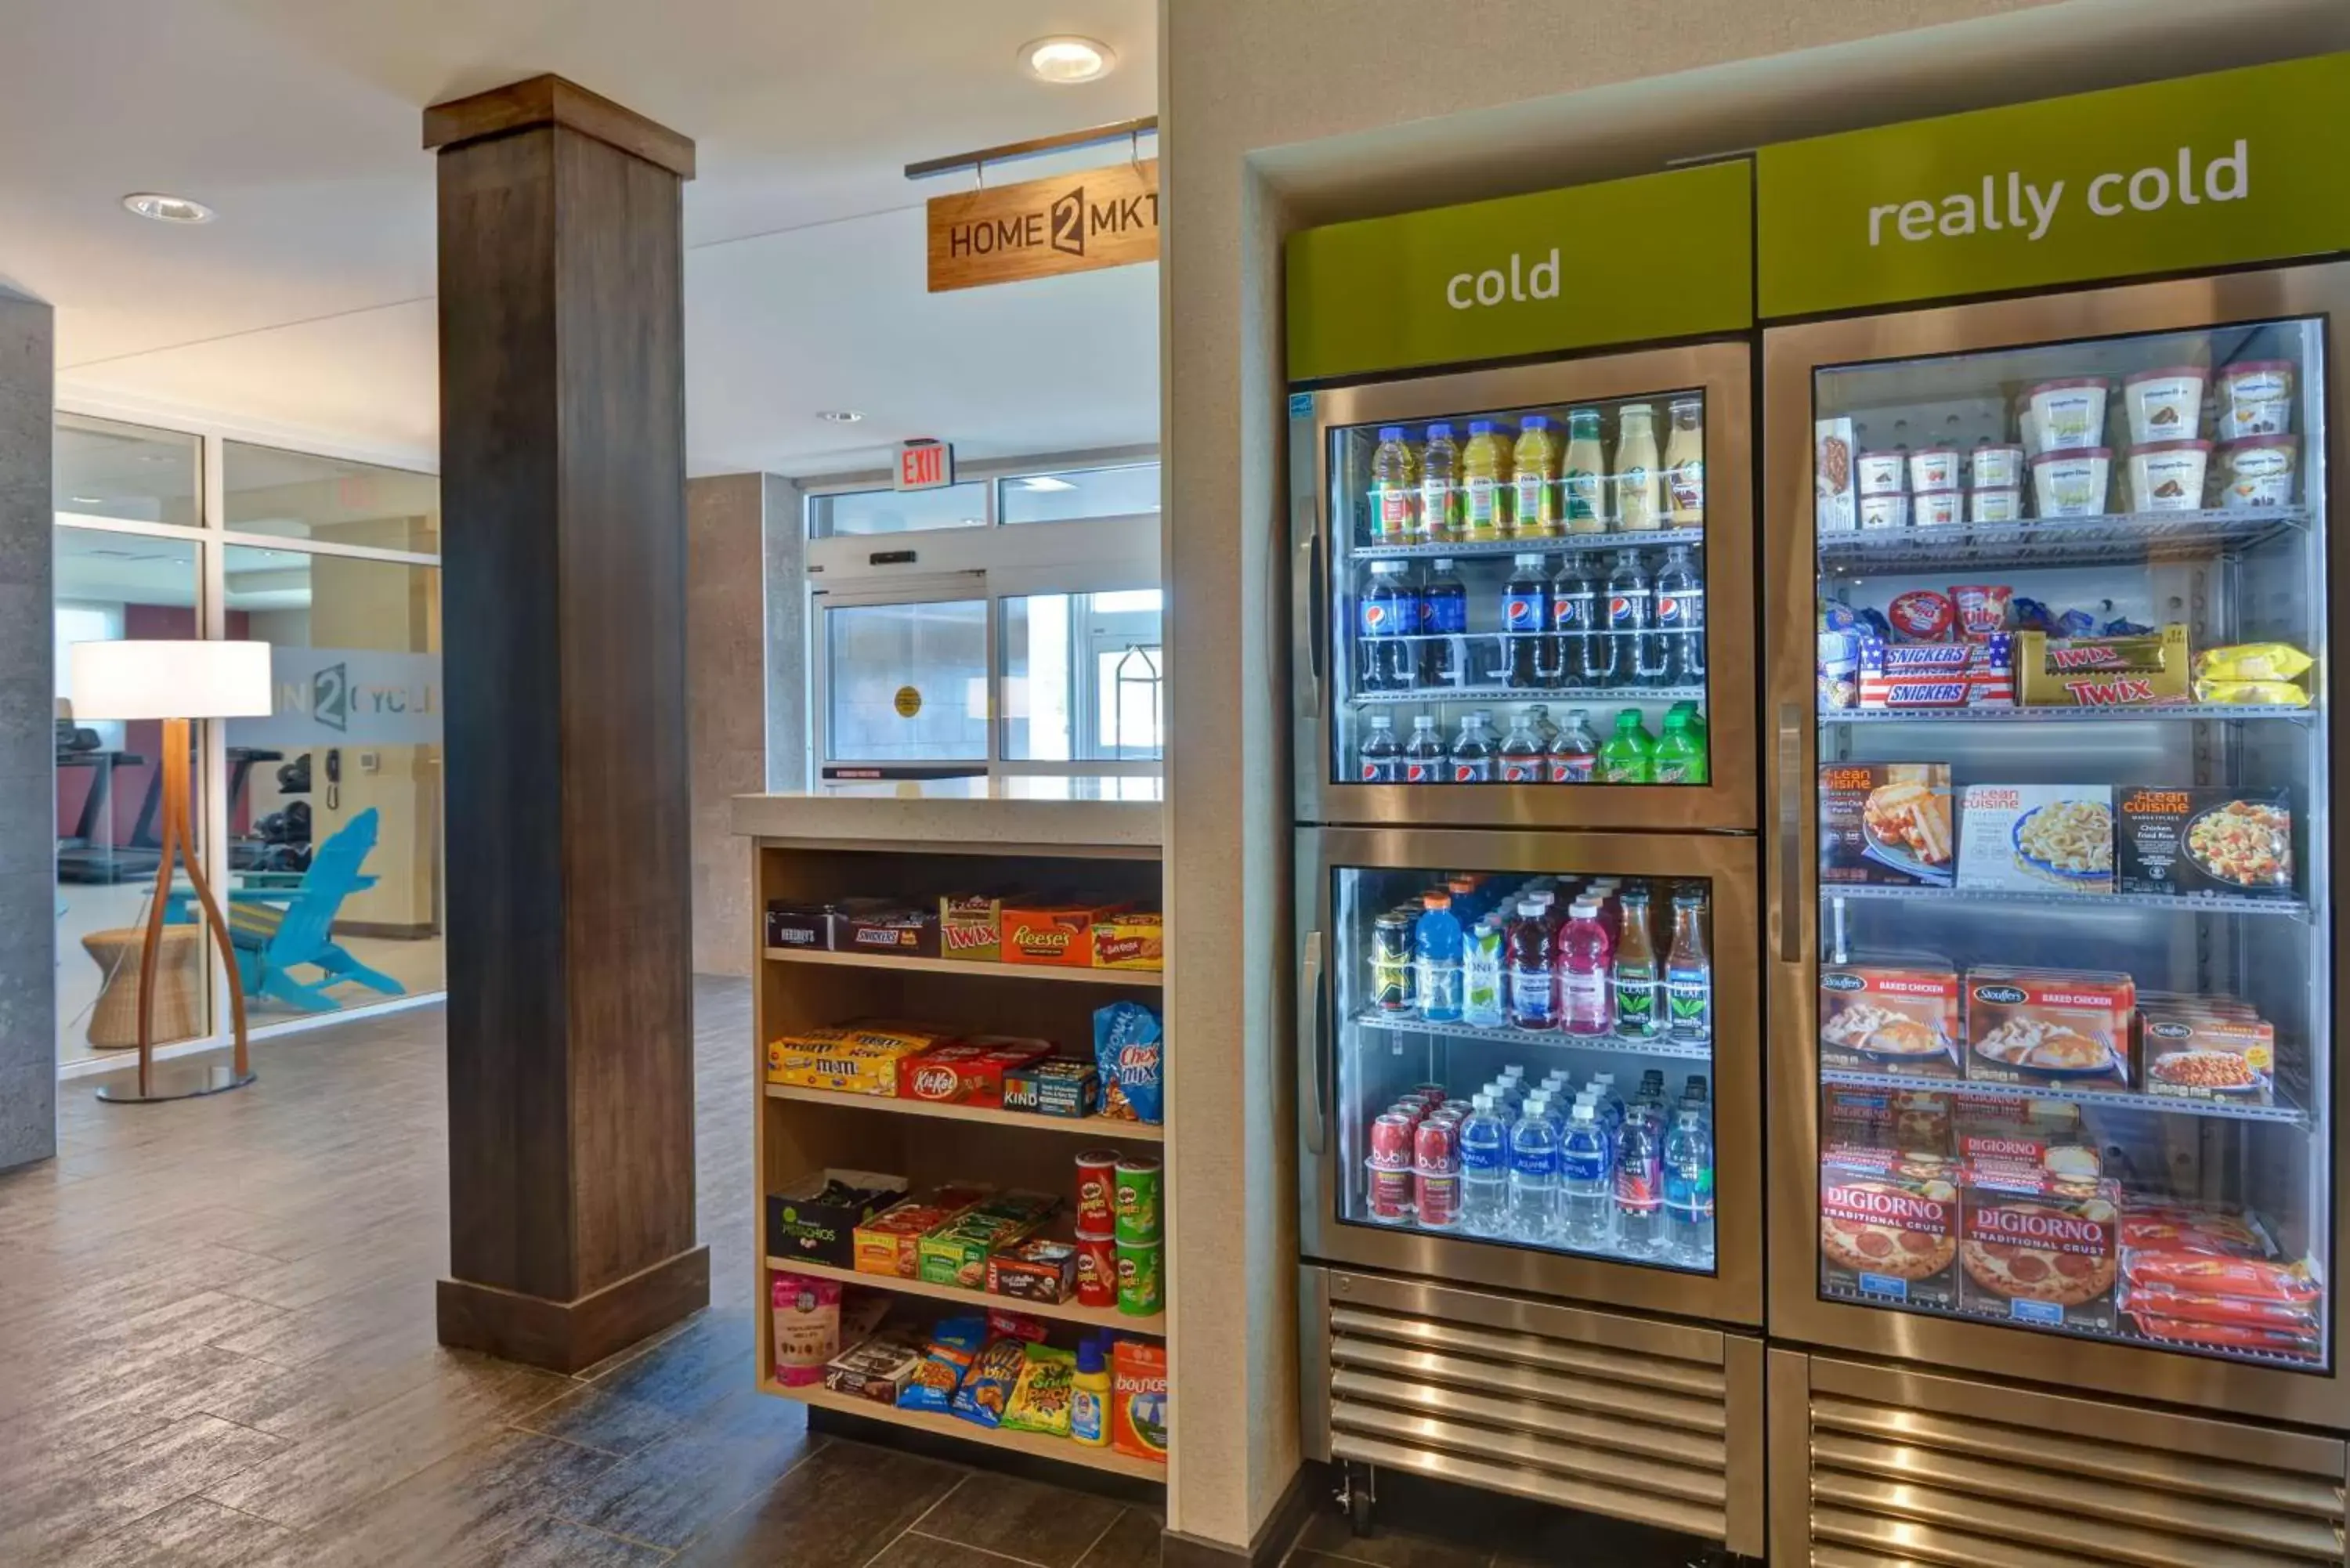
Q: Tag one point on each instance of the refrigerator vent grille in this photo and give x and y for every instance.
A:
(1613, 1431)
(1905, 1488)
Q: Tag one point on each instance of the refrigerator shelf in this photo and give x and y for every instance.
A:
(2184, 903)
(1615, 1045)
(1555, 544)
(2170, 712)
(1534, 694)
(2115, 1099)
(2123, 1333)
(2056, 540)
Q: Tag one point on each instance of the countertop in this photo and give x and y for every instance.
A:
(1084, 809)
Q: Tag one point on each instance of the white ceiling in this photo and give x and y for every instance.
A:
(307, 308)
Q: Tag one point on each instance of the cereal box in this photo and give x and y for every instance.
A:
(2187, 841)
(1130, 938)
(971, 926)
(1890, 1013)
(968, 1071)
(2037, 838)
(2100, 671)
(2062, 1028)
(1888, 1228)
(1059, 935)
(2038, 1249)
(850, 1058)
(1887, 823)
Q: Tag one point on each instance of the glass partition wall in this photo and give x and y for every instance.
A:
(333, 563)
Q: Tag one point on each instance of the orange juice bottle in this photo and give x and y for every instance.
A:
(1484, 482)
(1534, 482)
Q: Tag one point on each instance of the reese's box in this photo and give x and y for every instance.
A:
(1130, 938)
(1887, 823)
(1888, 1229)
(2059, 1028)
(1894, 1012)
(971, 926)
(814, 1218)
(1057, 934)
(967, 1072)
(2037, 1248)
(850, 1058)
(2100, 671)
(2201, 840)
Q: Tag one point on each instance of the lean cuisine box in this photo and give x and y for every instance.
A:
(1887, 823)
(2201, 840)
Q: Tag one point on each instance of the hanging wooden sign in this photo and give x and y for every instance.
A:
(1041, 228)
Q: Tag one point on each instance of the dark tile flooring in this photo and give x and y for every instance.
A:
(216, 1350)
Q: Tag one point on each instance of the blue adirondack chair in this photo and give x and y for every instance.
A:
(276, 929)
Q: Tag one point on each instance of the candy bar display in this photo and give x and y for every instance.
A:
(981, 928)
(931, 1065)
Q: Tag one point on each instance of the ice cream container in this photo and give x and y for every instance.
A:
(2258, 471)
(1933, 468)
(2069, 415)
(1934, 508)
(2165, 405)
(1995, 468)
(1885, 510)
(2256, 398)
(2167, 475)
(1994, 505)
(1882, 473)
(2071, 483)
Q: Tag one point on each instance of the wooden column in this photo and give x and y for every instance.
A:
(563, 586)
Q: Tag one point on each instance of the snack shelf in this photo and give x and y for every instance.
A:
(2124, 1332)
(1152, 978)
(2184, 903)
(1676, 1049)
(2116, 1099)
(1064, 1450)
(1154, 1326)
(1614, 539)
(2128, 537)
(1102, 1128)
(1532, 693)
(2151, 713)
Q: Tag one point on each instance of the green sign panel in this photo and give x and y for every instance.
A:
(1630, 261)
(2240, 166)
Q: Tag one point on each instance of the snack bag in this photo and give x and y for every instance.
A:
(2251, 693)
(1040, 1402)
(1019, 1325)
(987, 1386)
(807, 1328)
(1130, 1055)
(2251, 661)
(953, 1345)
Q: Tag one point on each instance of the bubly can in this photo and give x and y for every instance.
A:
(1389, 1193)
(1391, 1141)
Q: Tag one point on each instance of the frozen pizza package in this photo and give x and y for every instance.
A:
(1888, 1229)
(2039, 1249)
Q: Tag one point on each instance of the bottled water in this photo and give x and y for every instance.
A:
(1485, 1167)
(1481, 974)
(1689, 1188)
(1585, 1181)
(1436, 953)
(1534, 1173)
(1640, 1182)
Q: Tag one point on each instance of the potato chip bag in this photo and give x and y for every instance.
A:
(2251, 661)
(987, 1386)
(953, 1345)
(2251, 693)
(1040, 1402)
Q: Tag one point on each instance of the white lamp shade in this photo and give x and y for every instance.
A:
(170, 679)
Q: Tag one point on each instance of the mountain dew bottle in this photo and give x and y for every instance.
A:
(1680, 757)
(1627, 756)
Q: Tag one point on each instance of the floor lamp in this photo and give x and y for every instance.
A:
(176, 683)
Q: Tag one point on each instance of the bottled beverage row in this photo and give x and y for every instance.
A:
(1575, 628)
(1536, 751)
(1552, 1164)
(1573, 954)
(1530, 485)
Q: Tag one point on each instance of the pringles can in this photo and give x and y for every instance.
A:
(1140, 1288)
(1138, 1198)
(1096, 1192)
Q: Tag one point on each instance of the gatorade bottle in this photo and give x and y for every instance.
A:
(1440, 487)
(1395, 488)
(1443, 626)
(1535, 479)
(1575, 755)
(1628, 756)
(1436, 956)
(1680, 759)
(1485, 477)
(1425, 759)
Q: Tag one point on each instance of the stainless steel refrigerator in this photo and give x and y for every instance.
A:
(1524, 671)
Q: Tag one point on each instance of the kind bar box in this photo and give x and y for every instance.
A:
(1895, 1013)
(1130, 938)
(1888, 1228)
(2187, 841)
(814, 1218)
(2037, 838)
(2100, 671)
(1888, 823)
(2038, 1249)
(971, 926)
(2057, 1028)
(878, 926)
(1057, 1086)
(967, 1072)
(1060, 935)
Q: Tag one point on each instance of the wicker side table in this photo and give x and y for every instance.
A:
(179, 989)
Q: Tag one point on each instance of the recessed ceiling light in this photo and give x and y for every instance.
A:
(167, 209)
(1045, 482)
(1066, 60)
(840, 416)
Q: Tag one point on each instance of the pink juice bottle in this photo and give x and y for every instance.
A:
(1586, 957)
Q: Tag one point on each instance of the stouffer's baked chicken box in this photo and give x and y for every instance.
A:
(2038, 1248)
(1889, 1226)
(2065, 1029)
(1895, 1012)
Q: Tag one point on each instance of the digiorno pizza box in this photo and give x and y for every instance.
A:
(1889, 1227)
(2038, 1249)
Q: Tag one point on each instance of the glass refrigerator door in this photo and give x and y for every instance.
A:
(2073, 1019)
(1521, 1071)
(1526, 575)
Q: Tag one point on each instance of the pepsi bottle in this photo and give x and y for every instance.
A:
(1574, 614)
(1525, 623)
(1679, 637)
(1388, 612)
(1443, 623)
(1629, 613)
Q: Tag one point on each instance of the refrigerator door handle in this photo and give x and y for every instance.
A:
(1317, 614)
(1315, 1059)
(1790, 831)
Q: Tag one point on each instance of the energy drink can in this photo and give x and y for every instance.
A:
(1393, 988)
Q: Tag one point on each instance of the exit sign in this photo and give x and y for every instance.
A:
(925, 465)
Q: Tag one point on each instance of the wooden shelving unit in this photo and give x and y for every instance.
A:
(1111, 1318)
(1149, 979)
(1094, 1129)
(1060, 1448)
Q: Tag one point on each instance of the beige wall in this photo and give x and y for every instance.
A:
(1276, 113)
(726, 697)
